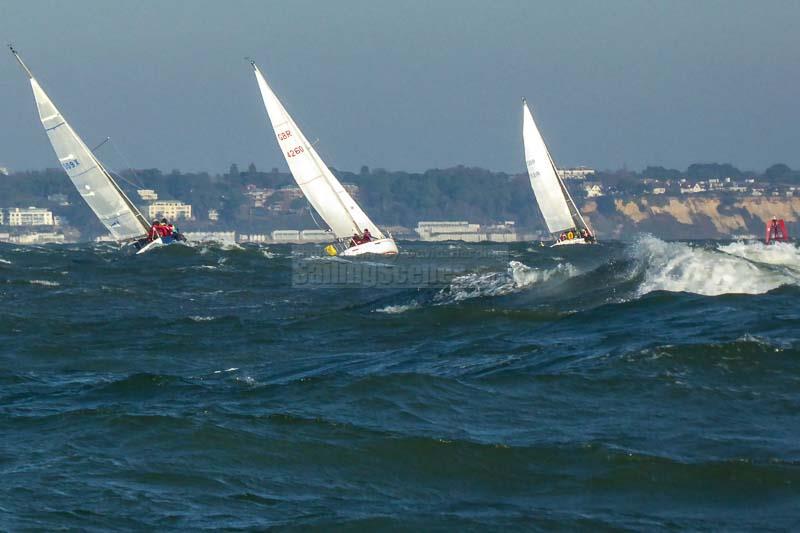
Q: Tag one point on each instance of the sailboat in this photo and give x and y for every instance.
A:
(563, 220)
(352, 230)
(94, 183)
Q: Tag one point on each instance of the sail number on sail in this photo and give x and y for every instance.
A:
(295, 151)
(282, 136)
(68, 165)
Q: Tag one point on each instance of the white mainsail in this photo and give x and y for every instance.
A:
(324, 192)
(550, 193)
(117, 213)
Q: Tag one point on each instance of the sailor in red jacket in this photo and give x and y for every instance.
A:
(165, 229)
(154, 232)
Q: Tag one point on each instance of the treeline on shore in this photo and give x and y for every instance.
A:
(390, 197)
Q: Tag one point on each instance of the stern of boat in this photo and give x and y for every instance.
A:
(376, 247)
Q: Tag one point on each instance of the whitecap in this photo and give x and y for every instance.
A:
(44, 283)
(517, 276)
(680, 267)
(397, 309)
(197, 318)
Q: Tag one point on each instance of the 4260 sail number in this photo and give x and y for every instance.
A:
(295, 151)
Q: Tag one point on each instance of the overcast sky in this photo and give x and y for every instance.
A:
(410, 85)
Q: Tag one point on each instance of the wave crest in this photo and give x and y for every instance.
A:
(682, 267)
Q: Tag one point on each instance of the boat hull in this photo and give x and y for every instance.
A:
(378, 247)
(570, 242)
(161, 241)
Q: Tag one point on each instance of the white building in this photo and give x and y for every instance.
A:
(38, 238)
(148, 195)
(223, 237)
(593, 190)
(213, 215)
(316, 235)
(172, 210)
(4, 171)
(447, 230)
(2, 218)
(32, 216)
(579, 173)
(60, 199)
(253, 237)
(697, 187)
(286, 235)
(659, 190)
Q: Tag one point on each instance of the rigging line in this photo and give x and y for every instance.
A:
(311, 211)
(123, 178)
(101, 144)
(128, 163)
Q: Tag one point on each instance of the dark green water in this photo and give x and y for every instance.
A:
(642, 386)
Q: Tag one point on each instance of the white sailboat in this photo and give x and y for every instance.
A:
(353, 231)
(561, 216)
(94, 183)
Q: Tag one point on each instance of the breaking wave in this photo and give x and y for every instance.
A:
(516, 277)
(730, 269)
(778, 254)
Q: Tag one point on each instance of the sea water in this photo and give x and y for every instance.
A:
(648, 385)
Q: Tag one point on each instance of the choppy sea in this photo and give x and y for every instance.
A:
(647, 385)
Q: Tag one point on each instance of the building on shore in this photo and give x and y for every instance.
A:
(579, 173)
(31, 216)
(461, 230)
(253, 237)
(285, 235)
(4, 171)
(147, 195)
(223, 237)
(316, 235)
(46, 237)
(288, 236)
(170, 209)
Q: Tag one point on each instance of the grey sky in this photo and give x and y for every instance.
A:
(410, 85)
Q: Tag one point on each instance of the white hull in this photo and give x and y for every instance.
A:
(379, 247)
(150, 245)
(568, 242)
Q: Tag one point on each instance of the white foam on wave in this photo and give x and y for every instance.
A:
(397, 309)
(779, 254)
(44, 283)
(680, 267)
(5, 261)
(517, 276)
(197, 318)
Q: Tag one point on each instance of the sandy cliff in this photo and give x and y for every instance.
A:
(689, 217)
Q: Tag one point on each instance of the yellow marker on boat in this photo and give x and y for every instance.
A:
(331, 250)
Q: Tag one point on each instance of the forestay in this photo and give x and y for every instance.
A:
(324, 192)
(544, 178)
(117, 213)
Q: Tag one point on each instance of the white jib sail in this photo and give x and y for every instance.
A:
(543, 176)
(324, 192)
(122, 219)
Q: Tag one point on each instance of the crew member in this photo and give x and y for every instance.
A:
(774, 232)
(154, 232)
(168, 228)
(366, 237)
